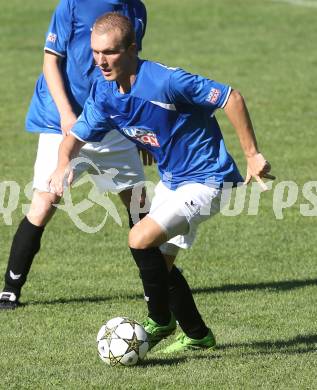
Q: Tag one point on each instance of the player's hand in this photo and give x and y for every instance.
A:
(147, 157)
(59, 179)
(258, 168)
(67, 122)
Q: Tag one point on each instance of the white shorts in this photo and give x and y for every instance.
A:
(114, 163)
(180, 212)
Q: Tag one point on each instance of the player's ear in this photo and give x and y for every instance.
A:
(132, 49)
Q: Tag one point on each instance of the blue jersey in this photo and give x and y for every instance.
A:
(170, 113)
(68, 36)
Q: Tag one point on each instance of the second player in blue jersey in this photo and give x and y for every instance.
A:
(60, 92)
(68, 37)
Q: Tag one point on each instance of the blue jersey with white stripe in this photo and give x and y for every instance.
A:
(170, 113)
(68, 36)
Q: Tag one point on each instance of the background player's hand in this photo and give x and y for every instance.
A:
(147, 157)
(258, 168)
(60, 178)
(67, 122)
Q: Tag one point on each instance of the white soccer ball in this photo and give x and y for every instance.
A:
(122, 341)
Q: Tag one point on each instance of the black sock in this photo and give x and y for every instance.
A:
(183, 306)
(25, 245)
(154, 275)
(135, 218)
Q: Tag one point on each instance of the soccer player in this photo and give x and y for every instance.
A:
(59, 96)
(171, 113)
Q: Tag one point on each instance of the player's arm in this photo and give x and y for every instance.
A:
(57, 40)
(68, 149)
(197, 90)
(237, 113)
(54, 79)
(91, 126)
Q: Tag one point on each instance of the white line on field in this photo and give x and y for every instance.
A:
(302, 3)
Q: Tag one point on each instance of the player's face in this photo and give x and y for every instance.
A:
(114, 61)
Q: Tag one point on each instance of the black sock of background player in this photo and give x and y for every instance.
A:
(154, 276)
(25, 245)
(183, 306)
(134, 218)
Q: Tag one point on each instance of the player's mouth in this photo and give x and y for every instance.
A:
(106, 71)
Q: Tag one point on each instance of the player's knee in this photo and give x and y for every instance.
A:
(137, 240)
(42, 207)
(142, 237)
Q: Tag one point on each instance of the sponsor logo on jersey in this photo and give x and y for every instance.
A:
(145, 136)
(214, 95)
(51, 37)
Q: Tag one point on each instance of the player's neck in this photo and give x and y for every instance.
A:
(128, 78)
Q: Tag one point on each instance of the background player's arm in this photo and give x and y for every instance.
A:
(68, 149)
(237, 112)
(54, 80)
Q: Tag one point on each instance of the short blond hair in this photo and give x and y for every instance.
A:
(115, 21)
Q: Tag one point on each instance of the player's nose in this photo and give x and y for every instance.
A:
(101, 59)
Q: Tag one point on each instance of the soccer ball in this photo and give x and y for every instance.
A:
(122, 341)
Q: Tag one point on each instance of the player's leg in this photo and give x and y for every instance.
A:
(144, 239)
(162, 224)
(27, 239)
(25, 245)
(166, 292)
(160, 323)
(134, 200)
(181, 301)
(42, 207)
(157, 331)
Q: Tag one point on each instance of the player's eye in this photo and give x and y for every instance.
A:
(109, 52)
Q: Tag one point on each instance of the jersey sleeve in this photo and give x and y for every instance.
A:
(60, 28)
(193, 89)
(93, 123)
(140, 22)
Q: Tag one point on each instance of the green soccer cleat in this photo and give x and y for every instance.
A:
(185, 343)
(157, 332)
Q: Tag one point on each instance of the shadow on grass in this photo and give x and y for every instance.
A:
(298, 344)
(150, 362)
(92, 299)
(181, 358)
(284, 285)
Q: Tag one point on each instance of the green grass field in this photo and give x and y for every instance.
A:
(254, 277)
